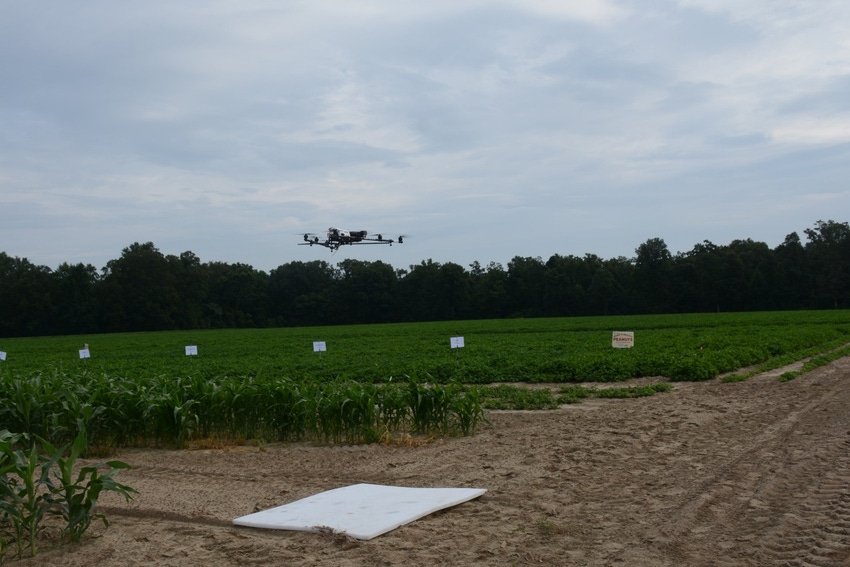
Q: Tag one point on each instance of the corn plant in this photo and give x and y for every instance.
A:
(288, 414)
(23, 475)
(392, 407)
(23, 409)
(74, 499)
(29, 493)
(345, 411)
(466, 405)
(431, 407)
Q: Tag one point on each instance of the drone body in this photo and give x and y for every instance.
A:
(337, 237)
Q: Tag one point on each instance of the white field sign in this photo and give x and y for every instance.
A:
(191, 350)
(457, 342)
(319, 346)
(623, 339)
(84, 353)
(2, 355)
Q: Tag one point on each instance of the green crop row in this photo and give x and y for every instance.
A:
(117, 411)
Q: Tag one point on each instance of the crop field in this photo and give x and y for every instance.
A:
(370, 382)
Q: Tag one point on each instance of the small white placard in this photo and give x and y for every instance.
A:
(319, 346)
(84, 353)
(457, 342)
(191, 350)
(623, 339)
(2, 355)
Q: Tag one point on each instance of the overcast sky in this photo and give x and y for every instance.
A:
(483, 129)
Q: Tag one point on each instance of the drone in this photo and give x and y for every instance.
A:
(337, 237)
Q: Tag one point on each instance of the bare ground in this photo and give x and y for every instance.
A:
(749, 473)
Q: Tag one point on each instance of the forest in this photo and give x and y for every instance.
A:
(146, 290)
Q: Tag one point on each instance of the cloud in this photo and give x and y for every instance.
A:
(810, 130)
(223, 127)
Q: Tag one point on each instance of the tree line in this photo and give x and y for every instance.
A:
(145, 290)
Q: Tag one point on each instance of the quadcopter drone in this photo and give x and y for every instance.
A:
(337, 237)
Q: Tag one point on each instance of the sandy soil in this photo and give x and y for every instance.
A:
(751, 473)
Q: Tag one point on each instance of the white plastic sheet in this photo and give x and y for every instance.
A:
(361, 511)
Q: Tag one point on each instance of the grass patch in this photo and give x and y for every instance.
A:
(816, 362)
(507, 396)
(633, 391)
(523, 398)
(783, 360)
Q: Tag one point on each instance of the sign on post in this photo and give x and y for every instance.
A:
(623, 339)
(319, 346)
(2, 355)
(457, 342)
(191, 350)
(84, 353)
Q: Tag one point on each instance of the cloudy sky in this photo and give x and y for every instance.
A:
(484, 129)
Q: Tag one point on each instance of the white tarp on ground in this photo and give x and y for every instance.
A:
(361, 511)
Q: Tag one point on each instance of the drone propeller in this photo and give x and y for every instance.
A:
(380, 238)
(310, 237)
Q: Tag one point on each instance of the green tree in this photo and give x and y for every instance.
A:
(563, 286)
(77, 307)
(751, 273)
(27, 297)
(434, 292)
(190, 279)
(237, 296)
(793, 286)
(488, 290)
(301, 293)
(525, 287)
(653, 277)
(700, 279)
(603, 291)
(828, 249)
(366, 292)
(453, 286)
(138, 291)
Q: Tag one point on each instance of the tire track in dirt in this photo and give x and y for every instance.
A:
(810, 500)
(782, 498)
(814, 524)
